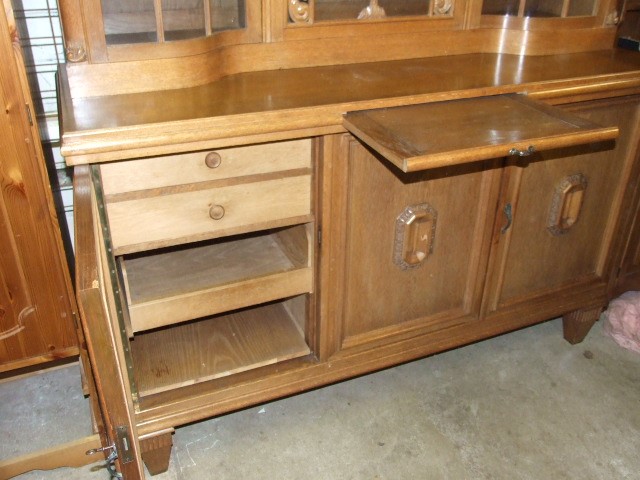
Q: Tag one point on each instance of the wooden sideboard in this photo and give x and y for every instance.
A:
(267, 229)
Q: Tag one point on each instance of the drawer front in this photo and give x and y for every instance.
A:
(165, 171)
(164, 220)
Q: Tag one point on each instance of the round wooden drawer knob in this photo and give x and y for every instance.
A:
(213, 160)
(216, 212)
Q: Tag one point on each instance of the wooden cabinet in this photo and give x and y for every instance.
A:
(549, 238)
(236, 243)
(227, 245)
(36, 301)
(233, 275)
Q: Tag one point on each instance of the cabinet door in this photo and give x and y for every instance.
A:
(36, 308)
(103, 334)
(413, 248)
(559, 210)
(629, 273)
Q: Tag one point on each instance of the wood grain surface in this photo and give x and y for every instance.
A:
(215, 347)
(434, 135)
(198, 281)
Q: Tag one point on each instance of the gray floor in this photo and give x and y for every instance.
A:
(526, 405)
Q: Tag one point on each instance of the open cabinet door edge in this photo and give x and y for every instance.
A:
(106, 360)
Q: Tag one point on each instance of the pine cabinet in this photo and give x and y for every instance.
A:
(36, 301)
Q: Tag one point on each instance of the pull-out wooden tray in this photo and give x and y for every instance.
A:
(420, 137)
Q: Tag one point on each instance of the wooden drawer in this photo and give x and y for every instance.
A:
(188, 213)
(159, 172)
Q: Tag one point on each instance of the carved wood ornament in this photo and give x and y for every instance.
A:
(300, 11)
(373, 10)
(442, 7)
(415, 231)
(567, 204)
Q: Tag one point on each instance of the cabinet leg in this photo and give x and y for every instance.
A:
(576, 325)
(156, 452)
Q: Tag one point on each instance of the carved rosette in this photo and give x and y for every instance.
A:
(300, 11)
(442, 7)
(75, 53)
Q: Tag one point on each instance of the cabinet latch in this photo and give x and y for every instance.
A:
(120, 449)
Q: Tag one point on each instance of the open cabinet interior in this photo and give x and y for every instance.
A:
(198, 310)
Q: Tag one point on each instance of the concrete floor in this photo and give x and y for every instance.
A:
(526, 405)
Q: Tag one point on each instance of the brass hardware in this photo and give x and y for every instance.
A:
(93, 451)
(213, 160)
(119, 300)
(216, 212)
(523, 153)
(120, 450)
(508, 213)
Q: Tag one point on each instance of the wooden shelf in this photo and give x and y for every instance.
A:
(215, 347)
(186, 283)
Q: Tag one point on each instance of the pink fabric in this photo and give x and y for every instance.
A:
(622, 321)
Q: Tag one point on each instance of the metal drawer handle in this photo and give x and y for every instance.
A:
(522, 153)
(508, 213)
(216, 212)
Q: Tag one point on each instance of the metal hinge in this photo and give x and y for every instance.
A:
(319, 236)
(29, 114)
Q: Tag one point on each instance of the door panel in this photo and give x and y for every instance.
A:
(563, 204)
(418, 267)
(36, 305)
(102, 331)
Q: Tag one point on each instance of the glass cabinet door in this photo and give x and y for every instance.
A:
(182, 19)
(143, 21)
(344, 10)
(132, 21)
(539, 8)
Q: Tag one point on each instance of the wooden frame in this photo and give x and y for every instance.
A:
(101, 330)
(270, 43)
(284, 30)
(602, 8)
(92, 39)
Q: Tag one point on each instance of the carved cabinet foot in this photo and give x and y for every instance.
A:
(576, 325)
(156, 452)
